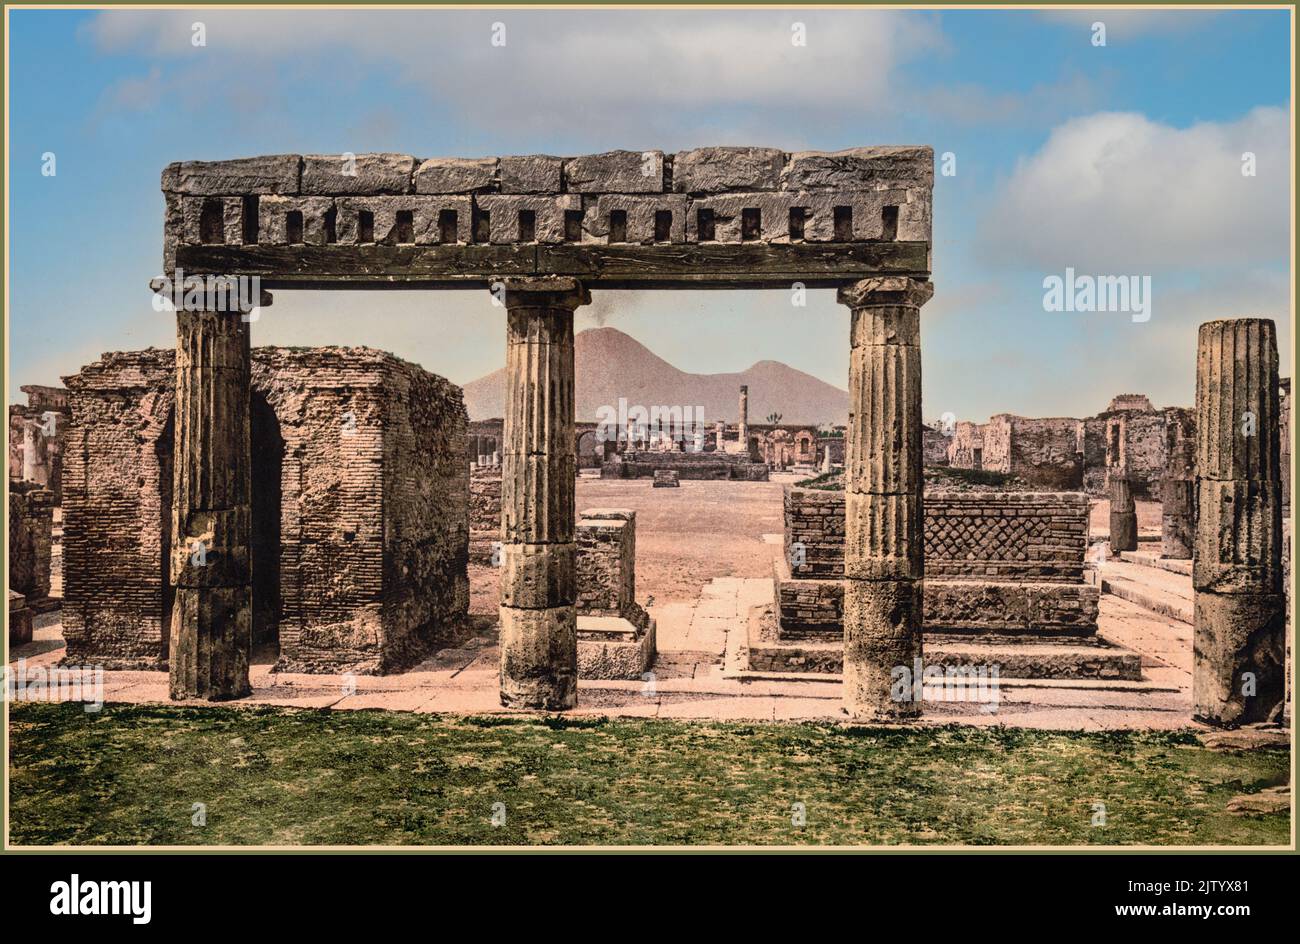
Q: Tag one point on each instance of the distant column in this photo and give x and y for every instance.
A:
(539, 642)
(211, 630)
(1178, 489)
(884, 549)
(1123, 515)
(1238, 673)
(744, 418)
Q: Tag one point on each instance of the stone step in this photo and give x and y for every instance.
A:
(1016, 657)
(1149, 559)
(1159, 590)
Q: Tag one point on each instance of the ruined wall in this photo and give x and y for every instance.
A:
(994, 561)
(31, 511)
(641, 464)
(934, 445)
(966, 448)
(360, 507)
(485, 501)
(426, 511)
(1045, 452)
(37, 431)
(996, 437)
(117, 482)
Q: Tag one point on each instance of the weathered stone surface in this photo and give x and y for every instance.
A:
(1238, 671)
(548, 215)
(456, 175)
(20, 620)
(719, 169)
(531, 173)
(866, 168)
(272, 173)
(539, 643)
(883, 483)
(641, 218)
(616, 172)
(539, 658)
(312, 226)
(1177, 518)
(666, 478)
(31, 522)
(331, 174)
(358, 512)
(1123, 516)
(425, 213)
(882, 633)
(1239, 657)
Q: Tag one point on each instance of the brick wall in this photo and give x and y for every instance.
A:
(360, 507)
(1039, 536)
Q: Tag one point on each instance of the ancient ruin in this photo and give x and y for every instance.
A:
(541, 232)
(356, 532)
(1239, 673)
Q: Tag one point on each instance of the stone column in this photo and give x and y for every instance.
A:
(1177, 518)
(1178, 489)
(1238, 672)
(30, 472)
(539, 641)
(744, 419)
(1123, 515)
(211, 630)
(883, 549)
(718, 429)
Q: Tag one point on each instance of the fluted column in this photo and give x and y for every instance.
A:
(1238, 672)
(1178, 489)
(1123, 514)
(211, 630)
(884, 544)
(539, 641)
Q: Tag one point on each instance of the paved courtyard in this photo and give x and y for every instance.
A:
(704, 557)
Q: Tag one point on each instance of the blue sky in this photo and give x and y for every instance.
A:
(1115, 160)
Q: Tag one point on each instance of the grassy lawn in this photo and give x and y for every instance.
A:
(130, 774)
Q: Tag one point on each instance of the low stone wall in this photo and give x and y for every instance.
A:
(616, 637)
(994, 562)
(642, 464)
(1041, 536)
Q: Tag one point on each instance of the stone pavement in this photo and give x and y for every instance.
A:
(692, 680)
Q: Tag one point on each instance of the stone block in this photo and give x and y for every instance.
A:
(531, 173)
(272, 173)
(616, 172)
(719, 169)
(666, 478)
(614, 648)
(457, 175)
(356, 174)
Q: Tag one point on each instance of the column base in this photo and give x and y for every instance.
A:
(1239, 668)
(211, 638)
(882, 647)
(539, 658)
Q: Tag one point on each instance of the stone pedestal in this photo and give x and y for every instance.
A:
(884, 548)
(1177, 518)
(539, 648)
(211, 631)
(1239, 659)
(1123, 516)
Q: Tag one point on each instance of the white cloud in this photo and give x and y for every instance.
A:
(1118, 192)
(607, 66)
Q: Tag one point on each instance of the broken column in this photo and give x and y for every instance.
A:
(211, 631)
(539, 645)
(1238, 672)
(744, 418)
(1123, 515)
(884, 550)
(1178, 488)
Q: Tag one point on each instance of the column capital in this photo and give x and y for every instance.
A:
(886, 290)
(225, 292)
(542, 292)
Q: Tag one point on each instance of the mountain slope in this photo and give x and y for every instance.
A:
(611, 364)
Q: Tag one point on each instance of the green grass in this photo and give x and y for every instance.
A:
(130, 774)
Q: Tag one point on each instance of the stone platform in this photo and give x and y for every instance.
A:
(611, 647)
(1015, 656)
